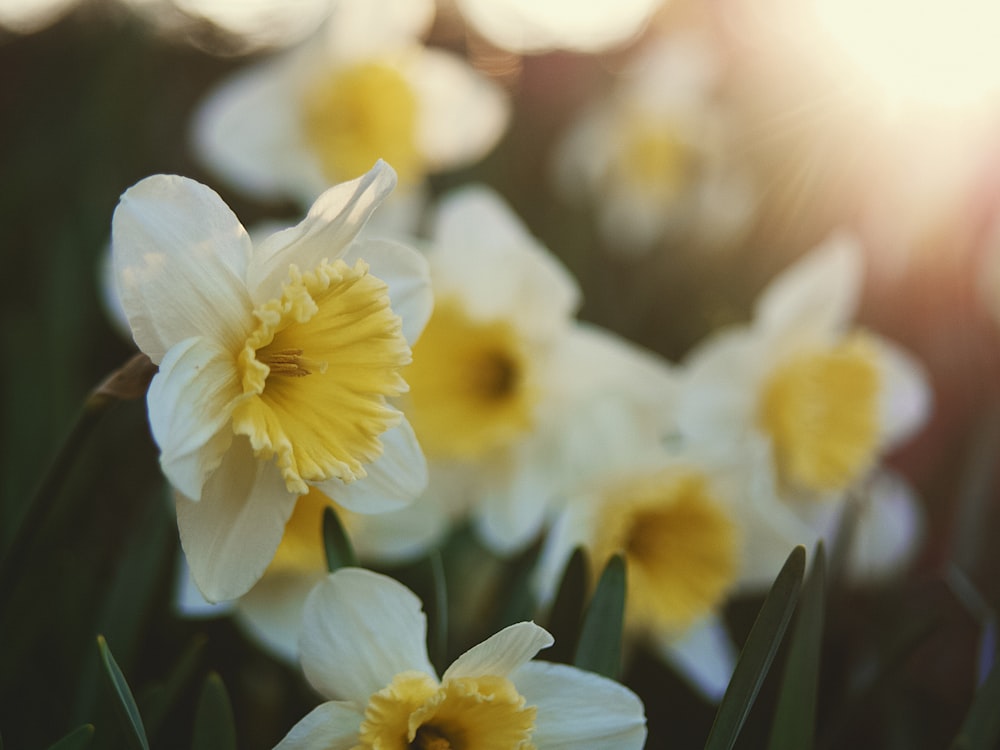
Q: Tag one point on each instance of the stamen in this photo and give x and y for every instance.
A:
(429, 738)
(290, 362)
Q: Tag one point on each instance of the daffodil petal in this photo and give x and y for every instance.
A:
(331, 726)
(393, 480)
(580, 710)
(475, 230)
(514, 505)
(190, 402)
(188, 600)
(231, 534)
(501, 653)
(247, 130)
(463, 113)
(360, 629)
(272, 612)
(407, 275)
(704, 656)
(890, 527)
(906, 394)
(819, 293)
(402, 535)
(180, 258)
(330, 226)
(368, 28)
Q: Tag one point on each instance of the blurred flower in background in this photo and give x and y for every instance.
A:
(363, 88)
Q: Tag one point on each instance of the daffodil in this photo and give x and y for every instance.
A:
(687, 524)
(363, 647)
(364, 88)
(825, 399)
(653, 158)
(277, 363)
(502, 367)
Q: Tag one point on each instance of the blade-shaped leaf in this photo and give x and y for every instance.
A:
(980, 729)
(567, 610)
(214, 726)
(125, 708)
(159, 699)
(758, 653)
(438, 639)
(339, 551)
(794, 726)
(79, 739)
(599, 648)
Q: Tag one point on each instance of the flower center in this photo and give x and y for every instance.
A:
(680, 545)
(469, 389)
(357, 115)
(653, 157)
(821, 412)
(316, 373)
(470, 713)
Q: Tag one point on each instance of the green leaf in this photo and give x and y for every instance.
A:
(339, 551)
(158, 700)
(758, 653)
(567, 610)
(125, 708)
(79, 739)
(600, 646)
(517, 595)
(439, 623)
(794, 726)
(981, 728)
(214, 726)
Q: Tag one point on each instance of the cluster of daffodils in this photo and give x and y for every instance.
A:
(419, 382)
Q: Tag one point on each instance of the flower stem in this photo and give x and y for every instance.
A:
(128, 382)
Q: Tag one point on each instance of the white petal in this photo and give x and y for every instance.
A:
(271, 612)
(888, 532)
(906, 395)
(248, 131)
(369, 28)
(403, 535)
(704, 656)
(580, 710)
(569, 531)
(819, 292)
(361, 629)
(231, 534)
(190, 402)
(188, 600)
(501, 653)
(329, 726)
(331, 225)
(395, 479)
(462, 112)
(180, 259)
(484, 254)
(406, 273)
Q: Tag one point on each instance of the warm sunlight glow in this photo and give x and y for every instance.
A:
(941, 53)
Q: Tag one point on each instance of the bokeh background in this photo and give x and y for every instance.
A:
(96, 95)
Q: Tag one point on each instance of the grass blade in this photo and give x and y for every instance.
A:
(125, 708)
(79, 739)
(980, 729)
(600, 646)
(794, 726)
(339, 551)
(214, 726)
(567, 610)
(758, 653)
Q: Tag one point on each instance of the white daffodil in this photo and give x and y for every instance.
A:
(824, 399)
(363, 646)
(277, 363)
(503, 365)
(364, 89)
(652, 156)
(687, 526)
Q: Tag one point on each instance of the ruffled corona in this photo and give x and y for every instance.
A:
(316, 373)
(653, 157)
(352, 117)
(821, 410)
(415, 713)
(470, 385)
(680, 545)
